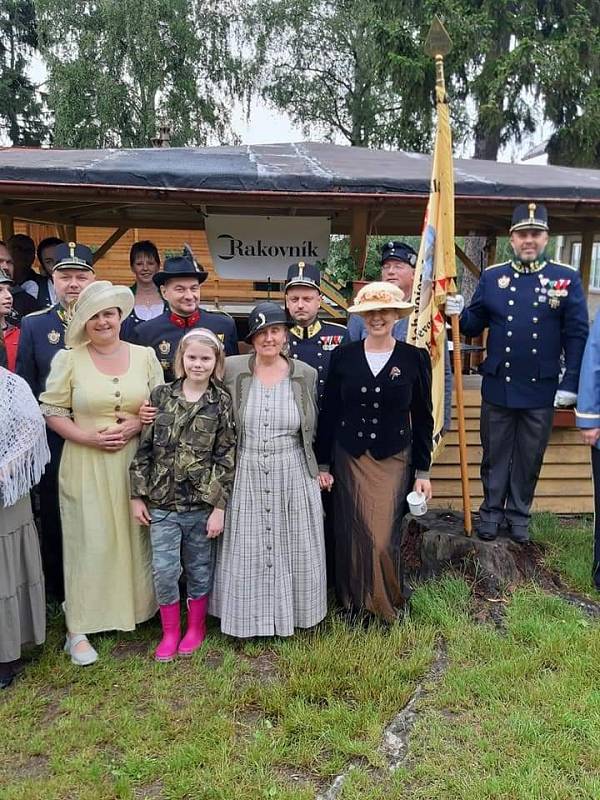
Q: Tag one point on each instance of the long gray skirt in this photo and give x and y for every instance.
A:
(22, 595)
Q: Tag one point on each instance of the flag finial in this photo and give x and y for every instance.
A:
(438, 42)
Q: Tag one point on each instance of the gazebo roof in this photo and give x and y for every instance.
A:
(177, 187)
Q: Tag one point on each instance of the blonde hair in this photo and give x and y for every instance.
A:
(202, 336)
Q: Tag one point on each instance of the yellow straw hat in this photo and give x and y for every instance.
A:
(96, 297)
(380, 295)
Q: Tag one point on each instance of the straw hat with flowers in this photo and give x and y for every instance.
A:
(380, 295)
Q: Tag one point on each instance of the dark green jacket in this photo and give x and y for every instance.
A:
(186, 458)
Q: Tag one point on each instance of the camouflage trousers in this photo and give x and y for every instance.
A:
(180, 544)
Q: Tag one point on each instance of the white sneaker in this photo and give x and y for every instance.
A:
(81, 659)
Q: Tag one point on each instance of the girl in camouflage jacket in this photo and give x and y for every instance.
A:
(181, 478)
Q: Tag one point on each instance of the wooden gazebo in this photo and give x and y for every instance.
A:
(363, 192)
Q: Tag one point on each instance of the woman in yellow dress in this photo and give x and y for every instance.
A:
(92, 398)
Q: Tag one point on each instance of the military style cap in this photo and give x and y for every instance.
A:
(264, 315)
(301, 274)
(73, 256)
(5, 278)
(400, 251)
(184, 266)
(529, 215)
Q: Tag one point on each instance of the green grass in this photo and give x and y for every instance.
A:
(515, 715)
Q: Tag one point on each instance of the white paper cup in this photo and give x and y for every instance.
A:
(417, 504)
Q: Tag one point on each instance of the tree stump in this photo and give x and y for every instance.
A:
(437, 542)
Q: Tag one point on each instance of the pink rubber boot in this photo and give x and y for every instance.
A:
(196, 630)
(169, 617)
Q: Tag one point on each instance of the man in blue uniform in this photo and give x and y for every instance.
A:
(535, 311)
(398, 262)
(42, 336)
(179, 284)
(311, 340)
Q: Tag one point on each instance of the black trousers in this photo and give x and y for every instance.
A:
(596, 477)
(514, 441)
(51, 530)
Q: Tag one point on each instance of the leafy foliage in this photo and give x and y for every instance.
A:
(22, 116)
(118, 69)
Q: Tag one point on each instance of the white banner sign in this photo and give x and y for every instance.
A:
(257, 248)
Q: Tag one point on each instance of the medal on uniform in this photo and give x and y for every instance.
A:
(54, 337)
(164, 347)
(504, 282)
(554, 302)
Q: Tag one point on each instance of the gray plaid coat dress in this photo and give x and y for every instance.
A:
(270, 573)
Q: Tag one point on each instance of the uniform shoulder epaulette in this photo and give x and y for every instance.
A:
(217, 311)
(38, 313)
(499, 264)
(335, 324)
(562, 264)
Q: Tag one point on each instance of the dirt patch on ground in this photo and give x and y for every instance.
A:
(29, 768)
(124, 650)
(294, 778)
(53, 709)
(150, 791)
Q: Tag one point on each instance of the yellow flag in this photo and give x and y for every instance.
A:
(436, 265)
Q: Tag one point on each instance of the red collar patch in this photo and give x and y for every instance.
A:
(184, 322)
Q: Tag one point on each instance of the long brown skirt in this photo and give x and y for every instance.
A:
(369, 505)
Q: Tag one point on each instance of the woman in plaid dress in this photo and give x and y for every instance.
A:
(270, 573)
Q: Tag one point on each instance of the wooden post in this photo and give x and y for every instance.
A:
(8, 227)
(71, 231)
(462, 432)
(358, 238)
(585, 261)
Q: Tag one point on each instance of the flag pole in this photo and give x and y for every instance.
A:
(438, 45)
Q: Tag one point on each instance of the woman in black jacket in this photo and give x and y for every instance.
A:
(376, 428)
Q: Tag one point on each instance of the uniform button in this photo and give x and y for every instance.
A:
(377, 389)
(320, 367)
(360, 434)
(319, 355)
(534, 335)
(375, 420)
(511, 302)
(507, 349)
(363, 389)
(115, 380)
(536, 290)
(516, 275)
(321, 381)
(533, 380)
(513, 288)
(535, 319)
(507, 379)
(509, 333)
(294, 344)
(373, 436)
(507, 364)
(294, 356)
(510, 319)
(534, 351)
(117, 408)
(117, 394)
(535, 305)
(375, 405)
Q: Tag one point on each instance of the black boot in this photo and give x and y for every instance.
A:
(487, 531)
